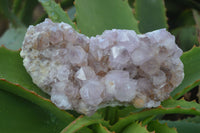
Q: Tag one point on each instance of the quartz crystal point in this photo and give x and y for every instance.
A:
(118, 67)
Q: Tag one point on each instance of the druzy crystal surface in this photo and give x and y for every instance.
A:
(118, 67)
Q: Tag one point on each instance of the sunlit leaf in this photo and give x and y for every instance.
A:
(191, 61)
(150, 14)
(99, 128)
(135, 128)
(13, 38)
(12, 70)
(186, 37)
(95, 16)
(183, 126)
(20, 116)
(55, 12)
(82, 121)
(15, 79)
(169, 106)
(160, 128)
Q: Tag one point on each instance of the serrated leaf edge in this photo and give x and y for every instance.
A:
(123, 122)
(62, 114)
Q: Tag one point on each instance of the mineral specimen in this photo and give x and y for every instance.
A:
(118, 67)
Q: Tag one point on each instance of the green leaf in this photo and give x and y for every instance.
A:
(182, 104)
(16, 6)
(99, 128)
(169, 106)
(195, 119)
(191, 61)
(71, 12)
(125, 111)
(4, 8)
(26, 12)
(55, 12)
(135, 128)
(151, 15)
(83, 121)
(183, 126)
(66, 3)
(196, 18)
(95, 16)
(12, 70)
(186, 18)
(15, 79)
(160, 128)
(13, 38)
(29, 95)
(186, 37)
(20, 116)
(148, 119)
(111, 114)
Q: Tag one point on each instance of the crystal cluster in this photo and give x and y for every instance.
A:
(118, 67)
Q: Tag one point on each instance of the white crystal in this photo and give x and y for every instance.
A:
(115, 68)
(85, 73)
(77, 55)
(56, 35)
(60, 99)
(126, 38)
(114, 80)
(141, 55)
(150, 67)
(119, 57)
(127, 91)
(159, 79)
(91, 93)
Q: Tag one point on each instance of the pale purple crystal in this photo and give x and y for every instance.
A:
(118, 67)
(91, 92)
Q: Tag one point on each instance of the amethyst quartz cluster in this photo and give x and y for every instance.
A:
(118, 67)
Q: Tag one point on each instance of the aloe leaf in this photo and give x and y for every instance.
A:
(191, 60)
(147, 120)
(150, 14)
(128, 110)
(186, 18)
(196, 18)
(12, 70)
(160, 128)
(83, 121)
(15, 79)
(55, 12)
(36, 99)
(21, 116)
(4, 8)
(195, 119)
(95, 16)
(71, 12)
(136, 128)
(169, 106)
(66, 3)
(111, 114)
(99, 128)
(183, 126)
(13, 38)
(182, 104)
(186, 37)
(16, 6)
(26, 12)
(14, 75)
